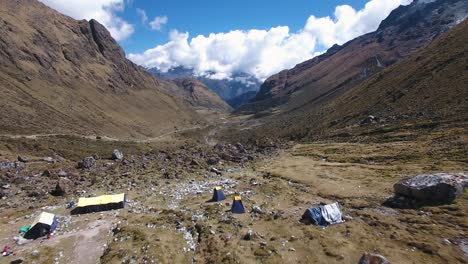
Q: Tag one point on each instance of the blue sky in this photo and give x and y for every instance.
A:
(207, 16)
(218, 38)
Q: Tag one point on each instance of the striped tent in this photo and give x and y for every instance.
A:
(99, 203)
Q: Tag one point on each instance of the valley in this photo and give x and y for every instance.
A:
(168, 184)
(358, 155)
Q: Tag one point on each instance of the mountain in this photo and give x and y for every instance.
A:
(241, 99)
(323, 78)
(196, 94)
(60, 75)
(424, 91)
(239, 84)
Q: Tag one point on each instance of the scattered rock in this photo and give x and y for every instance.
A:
(372, 259)
(35, 253)
(62, 174)
(48, 159)
(213, 160)
(256, 209)
(441, 188)
(87, 163)
(195, 163)
(291, 249)
(218, 172)
(250, 235)
(23, 159)
(370, 120)
(63, 186)
(117, 155)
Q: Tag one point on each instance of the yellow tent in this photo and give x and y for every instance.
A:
(99, 203)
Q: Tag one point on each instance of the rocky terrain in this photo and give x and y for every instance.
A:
(388, 143)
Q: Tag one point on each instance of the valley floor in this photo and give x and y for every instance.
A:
(168, 218)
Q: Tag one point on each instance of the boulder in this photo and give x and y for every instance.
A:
(213, 160)
(441, 188)
(63, 186)
(87, 163)
(48, 159)
(373, 259)
(23, 159)
(117, 155)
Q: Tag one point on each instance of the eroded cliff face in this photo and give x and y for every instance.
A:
(63, 75)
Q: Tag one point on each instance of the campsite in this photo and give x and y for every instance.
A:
(167, 217)
(233, 132)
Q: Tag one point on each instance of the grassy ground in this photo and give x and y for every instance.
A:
(168, 220)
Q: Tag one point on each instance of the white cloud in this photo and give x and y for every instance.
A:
(158, 22)
(142, 14)
(262, 53)
(101, 10)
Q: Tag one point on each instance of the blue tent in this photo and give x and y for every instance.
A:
(218, 195)
(314, 216)
(237, 206)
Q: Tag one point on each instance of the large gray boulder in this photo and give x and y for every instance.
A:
(440, 188)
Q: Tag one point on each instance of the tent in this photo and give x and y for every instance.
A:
(314, 216)
(100, 203)
(237, 205)
(324, 215)
(218, 195)
(44, 224)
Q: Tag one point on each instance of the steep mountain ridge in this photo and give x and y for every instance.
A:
(407, 29)
(423, 91)
(59, 75)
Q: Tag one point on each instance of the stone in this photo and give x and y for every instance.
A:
(63, 187)
(62, 174)
(440, 188)
(213, 160)
(256, 209)
(35, 253)
(250, 235)
(218, 172)
(195, 163)
(372, 259)
(87, 163)
(23, 159)
(48, 159)
(117, 155)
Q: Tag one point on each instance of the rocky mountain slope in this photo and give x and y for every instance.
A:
(228, 89)
(424, 91)
(59, 75)
(198, 95)
(325, 77)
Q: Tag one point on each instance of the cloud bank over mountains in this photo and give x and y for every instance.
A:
(262, 53)
(257, 52)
